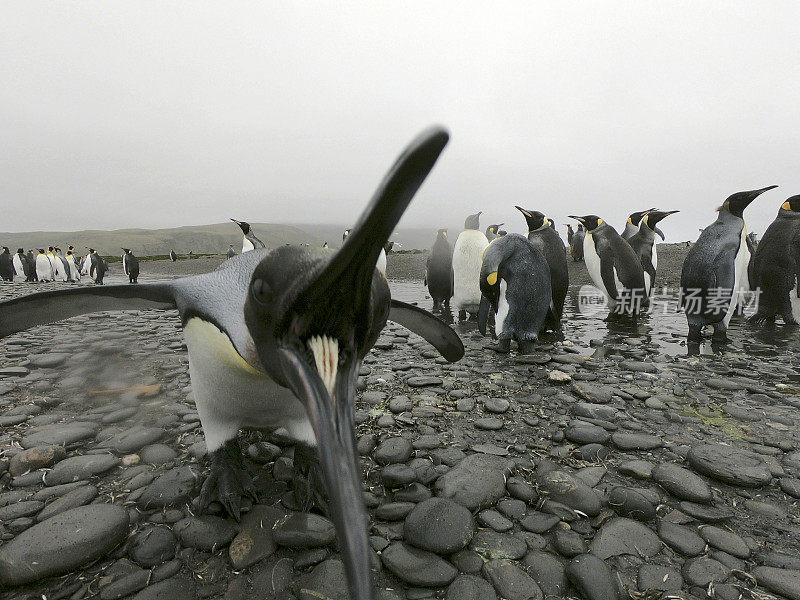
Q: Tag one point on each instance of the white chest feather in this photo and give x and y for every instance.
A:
(467, 260)
(381, 264)
(741, 281)
(502, 308)
(247, 245)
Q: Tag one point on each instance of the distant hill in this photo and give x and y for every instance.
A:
(205, 239)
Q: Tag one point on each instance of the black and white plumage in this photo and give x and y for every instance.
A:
(439, 270)
(632, 224)
(643, 243)
(277, 339)
(249, 240)
(130, 265)
(172, 256)
(6, 265)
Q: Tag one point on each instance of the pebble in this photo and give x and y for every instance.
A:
(681, 539)
(417, 567)
(439, 525)
(470, 587)
(304, 530)
(478, 481)
(492, 545)
(785, 582)
(628, 502)
(681, 483)
(73, 499)
(206, 532)
(659, 578)
(77, 468)
(729, 465)
(63, 543)
(702, 570)
(548, 572)
(566, 489)
(510, 581)
(171, 487)
(152, 546)
(393, 450)
(635, 441)
(625, 536)
(34, 458)
(592, 577)
(725, 540)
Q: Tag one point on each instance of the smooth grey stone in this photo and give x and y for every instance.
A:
(327, 580)
(63, 543)
(174, 588)
(469, 587)
(152, 546)
(494, 520)
(539, 522)
(493, 545)
(568, 543)
(206, 532)
(414, 492)
(635, 441)
(171, 487)
(304, 530)
(702, 570)
(417, 567)
(467, 561)
(125, 585)
(393, 511)
(417, 382)
(510, 581)
(393, 450)
(641, 469)
(725, 540)
(133, 439)
(255, 540)
(729, 465)
(73, 499)
(512, 508)
(397, 475)
(20, 509)
(681, 539)
(57, 491)
(709, 514)
(77, 468)
(478, 481)
(562, 487)
(625, 536)
(682, 483)
(785, 582)
(496, 405)
(628, 502)
(591, 577)
(489, 423)
(60, 434)
(34, 458)
(548, 572)
(157, 454)
(439, 525)
(660, 578)
(585, 433)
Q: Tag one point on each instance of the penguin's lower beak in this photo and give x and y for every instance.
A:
(581, 219)
(328, 392)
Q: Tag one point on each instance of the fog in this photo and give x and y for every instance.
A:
(120, 114)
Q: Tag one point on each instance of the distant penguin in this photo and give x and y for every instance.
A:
(439, 270)
(467, 258)
(515, 282)
(130, 265)
(64, 270)
(570, 233)
(74, 272)
(491, 231)
(632, 224)
(543, 236)
(714, 272)
(249, 241)
(172, 256)
(44, 267)
(86, 264)
(6, 265)
(97, 267)
(325, 245)
(644, 245)
(32, 264)
(231, 251)
(380, 263)
(576, 247)
(28, 264)
(56, 265)
(613, 266)
(775, 267)
(20, 264)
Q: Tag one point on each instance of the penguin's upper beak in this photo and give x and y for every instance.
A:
(654, 216)
(581, 219)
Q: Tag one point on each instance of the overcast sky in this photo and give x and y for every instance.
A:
(153, 114)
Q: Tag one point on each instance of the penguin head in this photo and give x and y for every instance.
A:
(41, 250)
(473, 221)
(736, 203)
(792, 204)
(243, 225)
(501, 233)
(569, 227)
(5, 249)
(652, 217)
(534, 218)
(590, 222)
(345, 233)
(441, 234)
(20, 251)
(313, 315)
(493, 229)
(552, 223)
(636, 218)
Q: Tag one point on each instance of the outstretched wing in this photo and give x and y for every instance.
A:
(423, 323)
(23, 313)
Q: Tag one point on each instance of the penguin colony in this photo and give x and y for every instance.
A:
(283, 345)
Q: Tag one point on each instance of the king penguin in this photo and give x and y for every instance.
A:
(613, 266)
(776, 267)
(515, 282)
(22, 267)
(714, 273)
(172, 256)
(633, 222)
(439, 270)
(576, 247)
(31, 265)
(6, 265)
(570, 234)
(643, 243)
(467, 257)
(74, 272)
(97, 266)
(543, 236)
(276, 339)
(130, 264)
(249, 241)
(44, 267)
(491, 231)
(231, 252)
(63, 264)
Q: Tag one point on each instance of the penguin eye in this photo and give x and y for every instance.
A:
(261, 291)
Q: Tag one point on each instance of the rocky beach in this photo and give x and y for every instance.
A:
(606, 466)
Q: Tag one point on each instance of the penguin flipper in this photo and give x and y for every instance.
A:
(607, 275)
(23, 313)
(424, 324)
(483, 315)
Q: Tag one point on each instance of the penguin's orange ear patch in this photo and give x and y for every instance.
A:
(491, 279)
(786, 206)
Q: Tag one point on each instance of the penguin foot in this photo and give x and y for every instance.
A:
(527, 346)
(228, 480)
(503, 346)
(309, 487)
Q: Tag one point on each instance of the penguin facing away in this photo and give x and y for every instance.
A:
(633, 222)
(643, 243)
(613, 266)
(515, 283)
(576, 247)
(714, 272)
(276, 339)
(570, 233)
(491, 231)
(172, 256)
(544, 237)
(439, 270)
(31, 265)
(6, 265)
(776, 267)
(249, 241)
(467, 258)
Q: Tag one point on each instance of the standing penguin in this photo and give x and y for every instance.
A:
(613, 266)
(714, 272)
(97, 266)
(74, 272)
(467, 258)
(172, 256)
(633, 222)
(86, 264)
(18, 263)
(570, 233)
(515, 281)
(546, 240)
(231, 251)
(6, 265)
(576, 247)
(130, 265)
(775, 267)
(44, 267)
(276, 339)
(249, 241)
(491, 231)
(439, 270)
(63, 265)
(59, 273)
(31, 259)
(643, 243)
